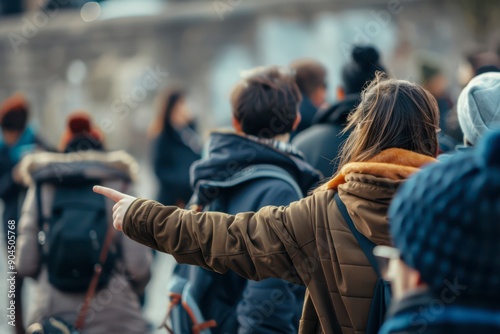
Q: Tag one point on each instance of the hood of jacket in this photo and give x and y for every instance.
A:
(338, 112)
(367, 188)
(86, 164)
(230, 153)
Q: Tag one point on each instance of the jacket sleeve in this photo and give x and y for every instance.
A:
(28, 250)
(258, 245)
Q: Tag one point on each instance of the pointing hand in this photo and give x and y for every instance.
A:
(123, 202)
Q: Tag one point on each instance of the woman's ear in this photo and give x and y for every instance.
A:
(236, 125)
(297, 121)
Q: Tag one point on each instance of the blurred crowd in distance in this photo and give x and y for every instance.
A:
(387, 144)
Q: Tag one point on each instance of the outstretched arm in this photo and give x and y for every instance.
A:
(255, 245)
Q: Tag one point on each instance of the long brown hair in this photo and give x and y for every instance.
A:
(392, 114)
(162, 121)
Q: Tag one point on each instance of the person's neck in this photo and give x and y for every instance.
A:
(285, 138)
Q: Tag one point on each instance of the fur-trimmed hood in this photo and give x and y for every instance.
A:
(395, 164)
(367, 188)
(87, 164)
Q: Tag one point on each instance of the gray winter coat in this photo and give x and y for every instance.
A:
(115, 308)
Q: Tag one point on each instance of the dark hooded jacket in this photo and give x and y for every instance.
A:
(423, 312)
(173, 153)
(222, 183)
(321, 142)
(307, 112)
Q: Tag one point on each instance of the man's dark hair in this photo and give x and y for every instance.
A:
(309, 75)
(266, 102)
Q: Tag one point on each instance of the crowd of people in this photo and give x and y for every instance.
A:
(359, 216)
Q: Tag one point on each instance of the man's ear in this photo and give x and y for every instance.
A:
(420, 281)
(318, 97)
(297, 121)
(340, 93)
(236, 125)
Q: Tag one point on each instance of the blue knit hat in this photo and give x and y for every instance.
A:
(445, 221)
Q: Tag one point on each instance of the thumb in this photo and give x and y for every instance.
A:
(112, 194)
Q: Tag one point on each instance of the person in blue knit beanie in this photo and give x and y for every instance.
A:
(445, 267)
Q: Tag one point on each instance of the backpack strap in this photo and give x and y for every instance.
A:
(253, 172)
(366, 245)
(80, 320)
(275, 172)
(38, 198)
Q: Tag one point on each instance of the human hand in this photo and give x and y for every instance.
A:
(123, 201)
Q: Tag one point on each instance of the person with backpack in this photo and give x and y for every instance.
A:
(87, 277)
(313, 241)
(322, 142)
(245, 171)
(445, 267)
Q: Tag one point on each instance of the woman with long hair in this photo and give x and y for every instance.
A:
(175, 147)
(309, 242)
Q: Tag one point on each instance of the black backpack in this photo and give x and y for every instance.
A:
(382, 292)
(72, 237)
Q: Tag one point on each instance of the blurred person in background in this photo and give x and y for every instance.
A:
(485, 61)
(176, 145)
(310, 76)
(312, 241)
(478, 110)
(245, 171)
(445, 270)
(17, 139)
(434, 80)
(321, 142)
(64, 232)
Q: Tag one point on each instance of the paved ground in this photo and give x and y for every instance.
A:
(156, 303)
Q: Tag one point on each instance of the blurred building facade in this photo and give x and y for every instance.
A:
(112, 60)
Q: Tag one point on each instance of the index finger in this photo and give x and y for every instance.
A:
(109, 193)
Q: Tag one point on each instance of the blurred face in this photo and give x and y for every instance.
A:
(319, 96)
(10, 137)
(437, 86)
(181, 114)
(403, 278)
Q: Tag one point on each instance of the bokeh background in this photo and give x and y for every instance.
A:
(111, 58)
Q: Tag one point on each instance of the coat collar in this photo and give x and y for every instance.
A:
(394, 164)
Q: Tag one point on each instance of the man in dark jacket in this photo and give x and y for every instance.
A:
(445, 223)
(310, 76)
(321, 142)
(245, 171)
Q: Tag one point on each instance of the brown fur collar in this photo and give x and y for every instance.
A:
(393, 163)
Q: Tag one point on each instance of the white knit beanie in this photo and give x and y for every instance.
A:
(479, 106)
